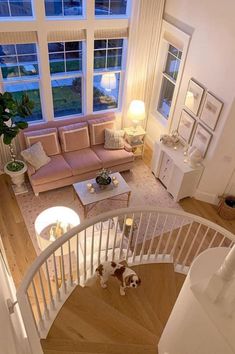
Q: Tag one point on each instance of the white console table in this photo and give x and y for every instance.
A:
(172, 169)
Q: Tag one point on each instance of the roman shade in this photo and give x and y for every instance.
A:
(111, 33)
(59, 36)
(18, 37)
(176, 42)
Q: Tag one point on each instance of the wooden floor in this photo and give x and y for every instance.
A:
(16, 240)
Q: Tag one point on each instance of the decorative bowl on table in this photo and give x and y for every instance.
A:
(103, 179)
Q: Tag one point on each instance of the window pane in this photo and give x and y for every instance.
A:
(72, 46)
(110, 7)
(63, 7)
(101, 7)
(57, 63)
(172, 66)
(72, 8)
(9, 71)
(115, 43)
(177, 53)
(114, 58)
(100, 43)
(166, 95)
(56, 47)
(26, 48)
(100, 59)
(4, 9)
(7, 49)
(118, 7)
(20, 7)
(73, 61)
(105, 98)
(67, 96)
(53, 7)
(32, 89)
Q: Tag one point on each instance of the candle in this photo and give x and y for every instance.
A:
(115, 183)
(113, 178)
(89, 186)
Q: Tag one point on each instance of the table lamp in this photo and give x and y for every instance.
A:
(108, 81)
(136, 112)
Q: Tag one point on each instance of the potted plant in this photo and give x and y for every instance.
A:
(12, 120)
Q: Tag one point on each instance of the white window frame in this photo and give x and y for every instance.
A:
(18, 18)
(126, 15)
(180, 40)
(68, 17)
(68, 75)
(121, 80)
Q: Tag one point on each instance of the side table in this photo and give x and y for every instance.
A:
(135, 137)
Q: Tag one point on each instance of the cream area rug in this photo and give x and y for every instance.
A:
(146, 191)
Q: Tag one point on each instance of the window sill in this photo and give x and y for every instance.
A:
(64, 18)
(160, 118)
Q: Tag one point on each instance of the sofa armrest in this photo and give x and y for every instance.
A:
(127, 146)
(31, 170)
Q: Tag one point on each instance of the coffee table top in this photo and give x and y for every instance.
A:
(110, 191)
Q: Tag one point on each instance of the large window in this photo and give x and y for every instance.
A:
(14, 8)
(63, 8)
(19, 73)
(66, 77)
(110, 7)
(169, 77)
(108, 63)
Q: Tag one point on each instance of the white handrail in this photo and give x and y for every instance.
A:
(171, 230)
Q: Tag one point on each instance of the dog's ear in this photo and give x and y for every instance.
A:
(128, 280)
(139, 281)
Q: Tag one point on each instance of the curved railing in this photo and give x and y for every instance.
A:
(137, 235)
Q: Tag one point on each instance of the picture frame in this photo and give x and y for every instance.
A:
(186, 125)
(201, 139)
(211, 110)
(194, 96)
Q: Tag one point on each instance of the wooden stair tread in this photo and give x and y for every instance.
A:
(84, 317)
(161, 292)
(133, 305)
(61, 346)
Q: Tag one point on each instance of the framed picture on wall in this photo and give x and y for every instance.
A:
(211, 111)
(186, 125)
(193, 97)
(201, 139)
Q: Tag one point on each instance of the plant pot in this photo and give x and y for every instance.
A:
(103, 182)
(226, 208)
(17, 177)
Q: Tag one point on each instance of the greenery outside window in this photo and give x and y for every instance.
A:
(169, 77)
(66, 70)
(20, 74)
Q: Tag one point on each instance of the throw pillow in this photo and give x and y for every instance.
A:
(36, 156)
(114, 139)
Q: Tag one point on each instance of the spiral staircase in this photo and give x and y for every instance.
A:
(66, 311)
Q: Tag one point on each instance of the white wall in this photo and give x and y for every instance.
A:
(210, 61)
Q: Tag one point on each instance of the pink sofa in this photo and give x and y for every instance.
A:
(76, 149)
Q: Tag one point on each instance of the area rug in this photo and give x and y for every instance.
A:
(146, 191)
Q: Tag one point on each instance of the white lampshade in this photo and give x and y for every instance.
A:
(108, 81)
(136, 111)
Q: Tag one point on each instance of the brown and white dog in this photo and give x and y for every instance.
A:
(127, 276)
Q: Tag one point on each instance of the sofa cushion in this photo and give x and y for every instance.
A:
(35, 156)
(97, 128)
(55, 170)
(48, 137)
(111, 158)
(74, 137)
(114, 139)
(82, 161)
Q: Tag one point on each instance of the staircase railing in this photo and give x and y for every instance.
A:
(137, 235)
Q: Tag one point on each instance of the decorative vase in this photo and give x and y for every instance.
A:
(17, 178)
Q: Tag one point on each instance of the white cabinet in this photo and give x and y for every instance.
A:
(170, 167)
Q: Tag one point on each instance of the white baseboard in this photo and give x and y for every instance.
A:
(206, 197)
(149, 142)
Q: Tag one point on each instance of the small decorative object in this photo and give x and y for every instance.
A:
(115, 182)
(103, 179)
(89, 186)
(170, 139)
(226, 207)
(194, 156)
(201, 139)
(185, 126)
(10, 125)
(113, 178)
(211, 111)
(92, 190)
(193, 96)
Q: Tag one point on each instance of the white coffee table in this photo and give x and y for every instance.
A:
(89, 200)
